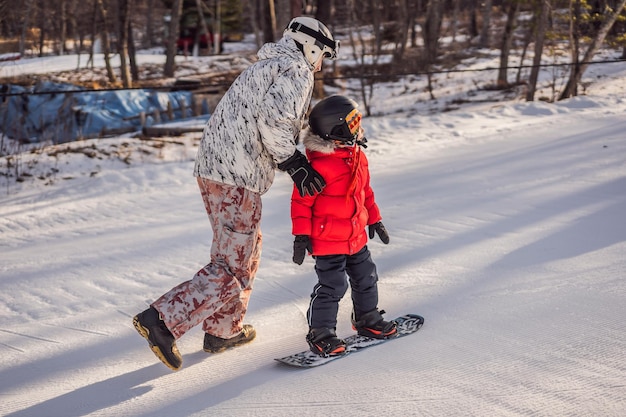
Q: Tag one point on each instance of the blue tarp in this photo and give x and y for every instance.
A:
(69, 112)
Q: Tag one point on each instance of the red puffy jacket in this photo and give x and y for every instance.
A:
(335, 219)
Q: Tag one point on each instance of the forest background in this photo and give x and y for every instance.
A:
(389, 38)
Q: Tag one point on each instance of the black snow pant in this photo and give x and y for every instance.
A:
(332, 285)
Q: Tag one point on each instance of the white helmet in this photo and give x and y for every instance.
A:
(315, 38)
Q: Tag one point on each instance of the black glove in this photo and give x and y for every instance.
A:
(301, 245)
(380, 229)
(308, 181)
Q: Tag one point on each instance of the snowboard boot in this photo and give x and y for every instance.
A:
(214, 344)
(324, 342)
(150, 326)
(373, 325)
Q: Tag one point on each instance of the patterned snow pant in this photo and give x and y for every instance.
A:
(217, 296)
(332, 285)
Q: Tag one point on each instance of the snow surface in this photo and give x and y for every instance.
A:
(508, 234)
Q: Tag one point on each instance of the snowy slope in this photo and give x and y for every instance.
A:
(508, 235)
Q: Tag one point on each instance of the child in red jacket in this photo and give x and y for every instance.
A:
(331, 226)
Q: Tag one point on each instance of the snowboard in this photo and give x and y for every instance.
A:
(406, 325)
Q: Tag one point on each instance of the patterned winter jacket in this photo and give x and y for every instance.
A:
(255, 125)
(335, 220)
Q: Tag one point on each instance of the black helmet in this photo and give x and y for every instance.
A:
(336, 118)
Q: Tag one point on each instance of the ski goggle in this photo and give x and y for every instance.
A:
(348, 134)
(361, 142)
(329, 52)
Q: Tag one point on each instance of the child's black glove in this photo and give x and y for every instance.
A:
(308, 181)
(380, 230)
(301, 245)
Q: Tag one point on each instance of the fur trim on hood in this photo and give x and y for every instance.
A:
(312, 142)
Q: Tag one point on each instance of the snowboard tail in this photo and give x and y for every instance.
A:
(405, 325)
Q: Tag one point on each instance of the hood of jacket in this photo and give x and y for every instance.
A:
(284, 47)
(314, 143)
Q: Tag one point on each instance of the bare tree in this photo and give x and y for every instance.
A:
(43, 18)
(486, 27)
(512, 7)
(203, 26)
(252, 10)
(540, 34)
(63, 22)
(268, 20)
(149, 38)
(170, 55)
(574, 44)
(473, 12)
(124, 14)
(609, 19)
(364, 49)
(106, 44)
(297, 7)
(456, 7)
(403, 30)
(25, 25)
(323, 11)
(72, 24)
(283, 14)
(432, 29)
(132, 52)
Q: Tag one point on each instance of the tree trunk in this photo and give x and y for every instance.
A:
(25, 25)
(455, 19)
(484, 32)
(431, 30)
(403, 35)
(149, 38)
(73, 32)
(297, 8)
(269, 21)
(217, 28)
(574, 40)
(106, 45)
(170, 59)
(42, 25)
(610, 17)
(473, 21)
(507, 40)
(359, 53)
(252, 9)
(63, 29)
(283, 15)
(415, 9)
(525, 44)
(323, 11)
(132, 52)
(124, 6)
(203, 26)
(540, 35)
(94, 34)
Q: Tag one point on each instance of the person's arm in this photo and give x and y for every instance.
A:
(375, 225)
(307, 180)
(301, 225)
(281, 112)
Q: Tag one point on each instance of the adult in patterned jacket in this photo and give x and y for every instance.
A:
(252, 131)
(331, 226)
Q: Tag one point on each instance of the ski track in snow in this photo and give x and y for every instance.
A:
(507, 235)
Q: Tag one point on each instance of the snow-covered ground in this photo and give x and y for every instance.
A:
(507, 234)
